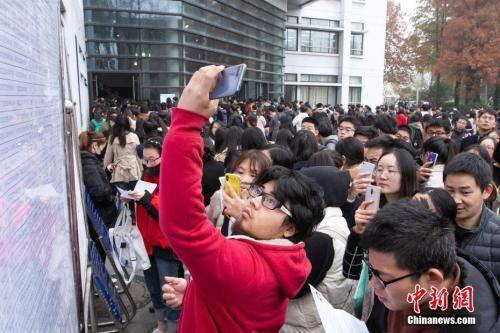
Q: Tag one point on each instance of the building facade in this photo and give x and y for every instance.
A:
(145, 48)
(334, 51)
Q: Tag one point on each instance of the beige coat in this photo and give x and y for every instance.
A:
(128, 167)
(301, 313)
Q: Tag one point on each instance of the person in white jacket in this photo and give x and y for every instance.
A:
(325, 249)
(297, 121)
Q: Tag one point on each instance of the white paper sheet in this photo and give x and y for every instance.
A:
(141, 186)
(335, 320)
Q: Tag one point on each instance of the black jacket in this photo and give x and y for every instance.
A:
(484, 241)
(469, 141)
(486, 299)
(99, 188)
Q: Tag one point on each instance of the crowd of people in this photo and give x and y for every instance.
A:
(242, 260)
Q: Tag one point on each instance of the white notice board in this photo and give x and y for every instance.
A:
(36, 267)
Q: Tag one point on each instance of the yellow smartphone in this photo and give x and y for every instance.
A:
(234, 180)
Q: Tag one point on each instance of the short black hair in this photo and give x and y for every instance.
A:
(479, 151)
(302, 196)
(470, 164)
(418, 238)
(280, 155)
(386, 124)
(252, 138)
(303, 145)
(351, 120)
(487, 111)
(369, 131)
(326, 157)
(352, 149)
(445, 148)
(436, 122)
(444, 202)
(325, 127)
(312, 121)
(405, 128)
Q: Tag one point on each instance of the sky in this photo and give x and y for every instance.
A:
(408, 7)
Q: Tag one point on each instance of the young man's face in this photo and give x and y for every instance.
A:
(467, 195)
(260, 222)
(486, 123)
(373, 154)
(310, 127)
(403, 135)
(361, 138)
(436, 131)
(461, 125)
(346, 130)
(393, 295)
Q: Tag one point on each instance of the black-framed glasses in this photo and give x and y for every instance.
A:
(385, 283)
(268, 200)
(149, 162)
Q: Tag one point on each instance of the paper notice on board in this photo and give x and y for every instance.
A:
(335, 320)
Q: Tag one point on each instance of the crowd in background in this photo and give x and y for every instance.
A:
(327, 144)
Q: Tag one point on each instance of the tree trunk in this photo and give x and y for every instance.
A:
(458, 86)
(496, 97)
(437, 90)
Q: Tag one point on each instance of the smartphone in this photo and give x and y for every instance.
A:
(229, 81)
(373, 193)
(234, 180)
(432, 157)
(366, 167)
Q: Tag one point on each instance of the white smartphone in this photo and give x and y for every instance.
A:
(373, 193)
(366, 167)
(229, 81)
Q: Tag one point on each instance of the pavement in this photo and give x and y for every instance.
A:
(143, 321)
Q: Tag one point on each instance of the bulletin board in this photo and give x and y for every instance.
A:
(37, 276)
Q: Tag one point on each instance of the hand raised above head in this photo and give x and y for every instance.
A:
(195, 98)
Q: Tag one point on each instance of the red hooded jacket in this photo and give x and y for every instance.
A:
(238, 284)
(148, 226)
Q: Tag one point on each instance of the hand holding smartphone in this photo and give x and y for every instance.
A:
(234, 181)
(432, 158)
(373, 193)
(366, 167)
(229, 82)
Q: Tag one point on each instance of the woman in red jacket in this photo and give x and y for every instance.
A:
(163, 260)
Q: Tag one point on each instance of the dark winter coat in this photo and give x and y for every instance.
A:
(99, 188)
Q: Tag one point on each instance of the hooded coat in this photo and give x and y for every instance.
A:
(238, 284)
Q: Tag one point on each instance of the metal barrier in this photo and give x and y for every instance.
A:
(112, 296)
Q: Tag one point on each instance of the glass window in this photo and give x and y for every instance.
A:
(160, 6)
(320, 22)
(161, 79)
(319, 41)
(315, 95)
(292, 19)
(291, 77)
(356, 26)
(117, 64)
(291, 40)
(161, 21)
(354, 95)
(290, 93)
(355, 80)
(357, 44)
(319, 78)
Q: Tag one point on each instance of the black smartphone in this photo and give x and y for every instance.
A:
(229, 81)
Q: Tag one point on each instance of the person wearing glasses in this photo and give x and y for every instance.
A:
(163, 260)
(395, 174)
(241, 283)
(409, 245)
(347, 127)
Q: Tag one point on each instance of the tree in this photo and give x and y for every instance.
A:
(398, 67)
(470, 56)
(427, 39)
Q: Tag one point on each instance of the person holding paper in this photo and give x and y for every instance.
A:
(241, 283)
(163, 260)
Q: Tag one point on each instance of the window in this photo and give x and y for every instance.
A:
(319, 41)
(356, 44)
(292, 19)
(315, 95)
(356, 26)
(319, 78)
(291, 40)
(291, 77)
(291, 93)
(320, 22)
(354, 95)
(355, 80)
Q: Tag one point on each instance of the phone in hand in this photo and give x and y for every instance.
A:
(234, 180)
(373, 193)
(366, 167)
(432, 157)
(229, 82)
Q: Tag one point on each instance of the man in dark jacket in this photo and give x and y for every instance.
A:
(417, 275)
(467, 177)
(486, 123)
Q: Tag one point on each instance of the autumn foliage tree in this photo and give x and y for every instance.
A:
(398, 66)
(470, 56)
